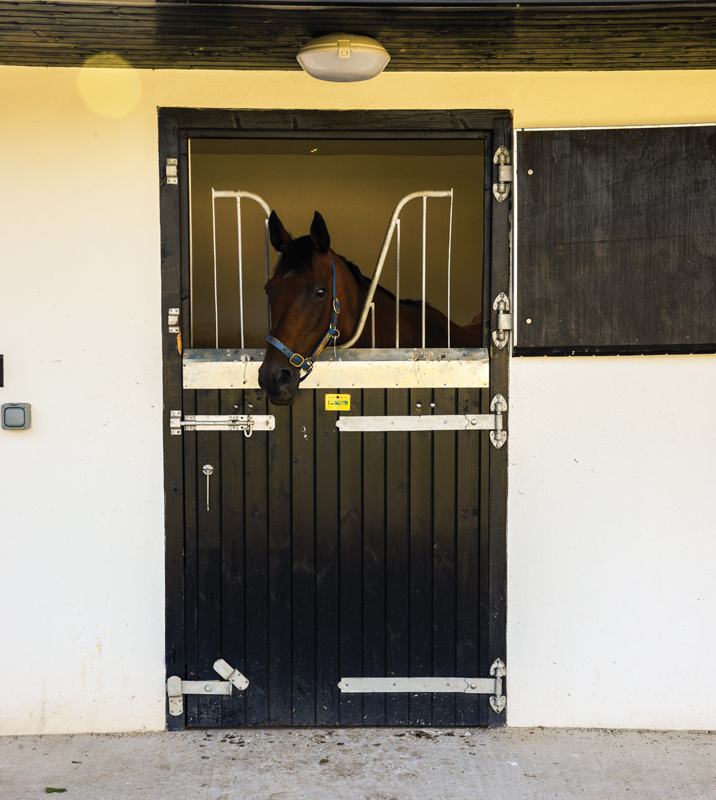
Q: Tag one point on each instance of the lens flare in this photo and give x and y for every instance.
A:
(109, 85)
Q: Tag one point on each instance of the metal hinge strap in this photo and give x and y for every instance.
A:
(491, 686)
(248, 423)
(504, 173)
(177, 688)
(434, 422)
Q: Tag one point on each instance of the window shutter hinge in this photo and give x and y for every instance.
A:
(504, 173)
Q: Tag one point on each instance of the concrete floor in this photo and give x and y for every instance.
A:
(363, 764)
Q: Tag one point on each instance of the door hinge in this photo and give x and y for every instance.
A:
(248, 423)
(172, 171)
(434, 422)
(177, 688)
(491, 686)
(173, 320)
(501, 334)
(504, 173)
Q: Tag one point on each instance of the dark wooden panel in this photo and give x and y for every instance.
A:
(191, 565)
(209, 572)
(493, 568)
(470, 446)
(444, 599)
(421, 556)
(617, 241)
(351, 563)
(257, 550)
(436, 37)
(278, 678)
(233, 626)
(374, 577)
(327, 557)
(170, 216)
(397, 557)
(303, 560)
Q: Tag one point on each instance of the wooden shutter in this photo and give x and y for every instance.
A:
(616, 241)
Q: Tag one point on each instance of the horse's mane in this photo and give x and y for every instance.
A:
(298, 257)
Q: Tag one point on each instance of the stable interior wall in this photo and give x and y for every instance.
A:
(81, 578)
(354, 185)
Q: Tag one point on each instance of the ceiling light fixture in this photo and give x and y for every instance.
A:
(342, 58)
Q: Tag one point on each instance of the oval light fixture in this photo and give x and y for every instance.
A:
(342, 58)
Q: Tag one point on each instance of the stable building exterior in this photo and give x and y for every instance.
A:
(604, 550)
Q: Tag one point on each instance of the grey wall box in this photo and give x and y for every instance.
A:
(15, 416)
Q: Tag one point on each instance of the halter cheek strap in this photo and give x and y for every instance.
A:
(297, 360)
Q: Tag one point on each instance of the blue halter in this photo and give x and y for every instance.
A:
(297, 360)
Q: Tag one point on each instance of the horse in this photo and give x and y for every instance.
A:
(315, 295)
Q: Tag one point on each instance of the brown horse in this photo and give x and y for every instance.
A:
(301, 294)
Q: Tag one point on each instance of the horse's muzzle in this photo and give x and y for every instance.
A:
(279, 382)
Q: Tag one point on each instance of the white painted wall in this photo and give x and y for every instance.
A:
(81, 507)
(612, 542)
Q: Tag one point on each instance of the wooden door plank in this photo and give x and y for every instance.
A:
(257, 585)
(208, 452)
(397, 554)
(327, 559)
(421, 561)
(233, 628)
(444, 555)
(374, 556)
(191, 566)
(351, 563)
(303, 595)
(469, 447)
(279, 565)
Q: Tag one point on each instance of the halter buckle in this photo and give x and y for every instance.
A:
(297, 360)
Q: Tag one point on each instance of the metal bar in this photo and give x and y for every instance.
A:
(268, 307)
(417, 685)
(238, 195)
(381, 261)
(216, 294)
(372, 326)
(425, 228)
(206, 687)
(430, 422)
(359, 368)
(397, 284)
(448, 269)
(241, 270)
(216, 422)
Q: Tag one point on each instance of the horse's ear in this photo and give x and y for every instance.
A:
(319, 233)
(279, 236)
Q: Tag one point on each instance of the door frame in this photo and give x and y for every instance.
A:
(176, 127)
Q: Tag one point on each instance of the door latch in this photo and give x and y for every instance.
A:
(504, 320)
(248, 423)
(177, 688)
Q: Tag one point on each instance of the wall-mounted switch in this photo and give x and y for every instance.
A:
(15, 416)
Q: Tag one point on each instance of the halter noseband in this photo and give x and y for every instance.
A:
(297, 360)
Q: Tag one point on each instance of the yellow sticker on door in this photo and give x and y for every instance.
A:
(338, 402)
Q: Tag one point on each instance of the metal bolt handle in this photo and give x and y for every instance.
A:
(208, 470)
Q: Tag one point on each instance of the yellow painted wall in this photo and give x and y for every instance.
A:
(538, 99)
(82, 530)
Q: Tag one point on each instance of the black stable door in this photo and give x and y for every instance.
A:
(325, 555)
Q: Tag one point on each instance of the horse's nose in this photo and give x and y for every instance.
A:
(284, 378)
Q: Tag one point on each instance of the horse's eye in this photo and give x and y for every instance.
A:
(320, 293)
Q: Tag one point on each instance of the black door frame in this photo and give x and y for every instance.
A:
(176, 127)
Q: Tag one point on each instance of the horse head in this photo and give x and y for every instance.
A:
(301, 296)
